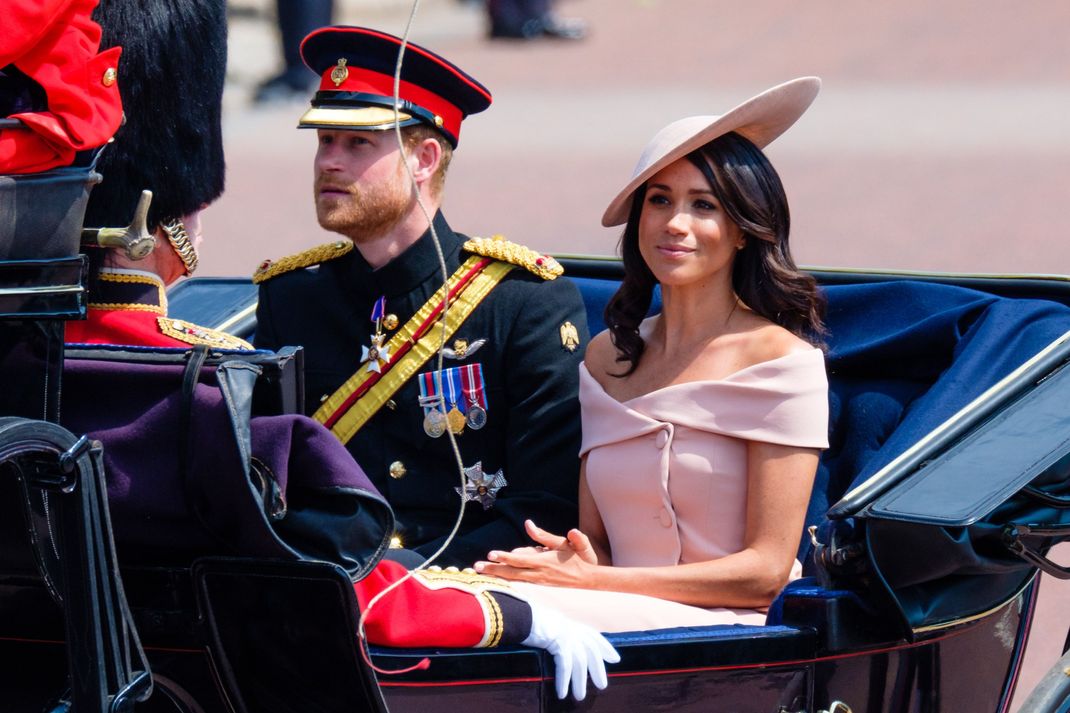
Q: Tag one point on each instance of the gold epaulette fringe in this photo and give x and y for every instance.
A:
(499, 248)
(313, 256)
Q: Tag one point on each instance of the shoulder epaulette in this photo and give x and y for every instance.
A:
(499, 248)
(191, 333)
(313, 256)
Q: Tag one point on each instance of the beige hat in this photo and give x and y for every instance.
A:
(760, 119)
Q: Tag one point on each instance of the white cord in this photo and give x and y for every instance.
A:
(442, 321)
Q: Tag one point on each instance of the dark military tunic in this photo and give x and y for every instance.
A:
(531, 380)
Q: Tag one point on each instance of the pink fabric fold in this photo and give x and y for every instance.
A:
(668, 469)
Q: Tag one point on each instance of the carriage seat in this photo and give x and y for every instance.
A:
(902, 357)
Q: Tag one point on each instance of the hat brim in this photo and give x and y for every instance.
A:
(357, 118)
(760, 119)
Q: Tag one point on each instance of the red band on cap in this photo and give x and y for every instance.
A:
(369, 82)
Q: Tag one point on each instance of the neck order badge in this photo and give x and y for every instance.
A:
(378, 354)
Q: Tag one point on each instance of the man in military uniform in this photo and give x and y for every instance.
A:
(369, 312)
(179, 161)
(432, 608)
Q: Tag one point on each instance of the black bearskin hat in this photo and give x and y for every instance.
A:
(171, 81)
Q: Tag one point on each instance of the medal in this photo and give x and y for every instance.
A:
(476, 418)
(434, 423)
(377, 355)
(431, 402)
(455, 417)
(456, 420)
(481, 487)
(454, 399)
(474, 396)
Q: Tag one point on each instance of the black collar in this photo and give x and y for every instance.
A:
(127, 290)
(411, 268)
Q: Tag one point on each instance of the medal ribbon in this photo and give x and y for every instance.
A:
(364, 393)
(430, 391)
(453, 389)
(379, 309)
(472, 385)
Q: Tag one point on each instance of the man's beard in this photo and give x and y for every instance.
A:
(364, 215)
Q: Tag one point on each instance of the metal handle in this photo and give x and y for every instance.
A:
(135, 240)
(1013, 534)
(838, 707)
(1046, 498)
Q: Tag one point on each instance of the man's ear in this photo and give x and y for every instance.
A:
(425, 157)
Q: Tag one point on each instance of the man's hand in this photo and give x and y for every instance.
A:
(578, 650)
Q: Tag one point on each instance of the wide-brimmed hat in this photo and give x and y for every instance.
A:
(760, 119)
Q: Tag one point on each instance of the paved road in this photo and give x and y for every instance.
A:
(941, 139)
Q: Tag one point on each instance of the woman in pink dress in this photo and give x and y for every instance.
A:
(702, 425)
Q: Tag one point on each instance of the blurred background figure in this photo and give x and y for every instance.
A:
(296, 18)
(531, 19)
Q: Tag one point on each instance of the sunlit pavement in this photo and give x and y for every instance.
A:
(940, 141)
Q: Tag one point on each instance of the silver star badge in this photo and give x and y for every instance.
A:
(377, 355)
(481, 487)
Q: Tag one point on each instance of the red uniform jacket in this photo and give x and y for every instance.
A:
(434, 608)
(130, 307)
(55, 43)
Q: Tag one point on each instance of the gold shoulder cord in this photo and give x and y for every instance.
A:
(499, 248)
(313, 256)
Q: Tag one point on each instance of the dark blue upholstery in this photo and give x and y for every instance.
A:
(596, 292)
(902, 358)
(694, 633)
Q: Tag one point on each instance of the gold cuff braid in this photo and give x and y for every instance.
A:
(179, 239)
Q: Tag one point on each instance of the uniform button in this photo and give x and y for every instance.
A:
(453, 570)
(324, 398)
(397, 470)
(392, 405)
(665, 518)
(110, 75)
(661, 439)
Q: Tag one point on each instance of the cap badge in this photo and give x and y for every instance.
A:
(570, 336)
(340, 73)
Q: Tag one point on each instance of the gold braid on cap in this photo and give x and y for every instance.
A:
(499, 248)
(179, 239)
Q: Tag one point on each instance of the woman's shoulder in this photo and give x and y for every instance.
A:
(766, 341)
(601, 356)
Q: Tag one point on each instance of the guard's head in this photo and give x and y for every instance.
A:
(171, 83)
(357, 65)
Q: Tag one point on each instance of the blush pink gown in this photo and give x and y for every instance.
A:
(668, 471)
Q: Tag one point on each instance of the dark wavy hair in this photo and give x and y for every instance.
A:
(764, 275)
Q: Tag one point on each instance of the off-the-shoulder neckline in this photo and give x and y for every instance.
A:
(699, 382)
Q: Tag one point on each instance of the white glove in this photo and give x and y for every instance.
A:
(577, 650)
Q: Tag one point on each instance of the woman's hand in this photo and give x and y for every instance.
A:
(558, 561)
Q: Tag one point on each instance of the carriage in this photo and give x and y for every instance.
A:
(946, 484)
